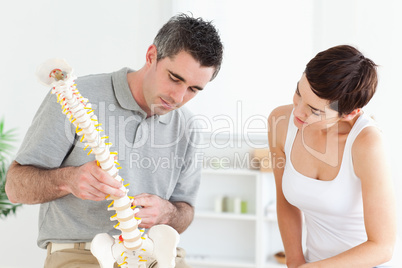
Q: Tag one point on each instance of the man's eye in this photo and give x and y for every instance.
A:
(174, 79)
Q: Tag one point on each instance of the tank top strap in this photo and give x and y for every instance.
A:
(361, 123)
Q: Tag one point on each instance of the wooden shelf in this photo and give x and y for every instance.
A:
(204, 261)
(270, 219)
(272, 263)
(233, 240)
(231, 171)
(224, 215)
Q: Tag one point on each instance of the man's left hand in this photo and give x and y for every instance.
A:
(153, 210)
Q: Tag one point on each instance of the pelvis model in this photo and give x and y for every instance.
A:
(132, 248)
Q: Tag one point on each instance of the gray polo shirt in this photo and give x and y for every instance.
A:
(158, 155)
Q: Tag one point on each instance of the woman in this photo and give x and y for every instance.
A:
(330, 166)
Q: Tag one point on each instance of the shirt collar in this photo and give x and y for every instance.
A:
(126, 99)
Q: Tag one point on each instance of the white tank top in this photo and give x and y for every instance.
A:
(333, 210)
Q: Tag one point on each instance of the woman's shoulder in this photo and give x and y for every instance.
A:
(368, 148)
(370, 135)
(367, 133)
(278, 122)
(282, 110)
(280, 114)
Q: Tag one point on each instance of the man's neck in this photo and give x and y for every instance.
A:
(134, 80)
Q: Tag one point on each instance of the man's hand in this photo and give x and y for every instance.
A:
(90, 182)
(33, 185)
(153, 210)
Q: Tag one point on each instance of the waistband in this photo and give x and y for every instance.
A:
(53, 247)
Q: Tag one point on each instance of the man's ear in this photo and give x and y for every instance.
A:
(152, 55)
(351, 115)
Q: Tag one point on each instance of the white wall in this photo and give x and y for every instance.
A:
(267, 44)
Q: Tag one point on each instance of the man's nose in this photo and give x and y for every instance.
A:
(177, 94)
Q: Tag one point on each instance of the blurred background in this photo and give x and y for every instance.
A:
(267, 44)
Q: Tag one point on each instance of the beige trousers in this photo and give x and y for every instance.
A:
(82, 258)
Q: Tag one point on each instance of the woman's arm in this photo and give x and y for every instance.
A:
(379, 206)
(289, 217)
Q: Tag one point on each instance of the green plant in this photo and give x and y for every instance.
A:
(6, 148)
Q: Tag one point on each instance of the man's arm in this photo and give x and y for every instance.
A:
(155, 210)
(32, 185)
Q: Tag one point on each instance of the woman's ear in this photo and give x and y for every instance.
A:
(151, 55)
(351, 115)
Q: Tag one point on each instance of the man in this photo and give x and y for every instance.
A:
(140, 111)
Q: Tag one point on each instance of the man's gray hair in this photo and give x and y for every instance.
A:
(194, 35)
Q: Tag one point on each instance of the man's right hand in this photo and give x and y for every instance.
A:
(90, 182)
(33, 185)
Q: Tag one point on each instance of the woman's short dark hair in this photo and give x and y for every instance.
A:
(193, 35)
(343, 76)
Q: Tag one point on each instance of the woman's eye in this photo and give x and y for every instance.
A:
(315, 112)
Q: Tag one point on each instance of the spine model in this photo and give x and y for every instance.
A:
(128, 248)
